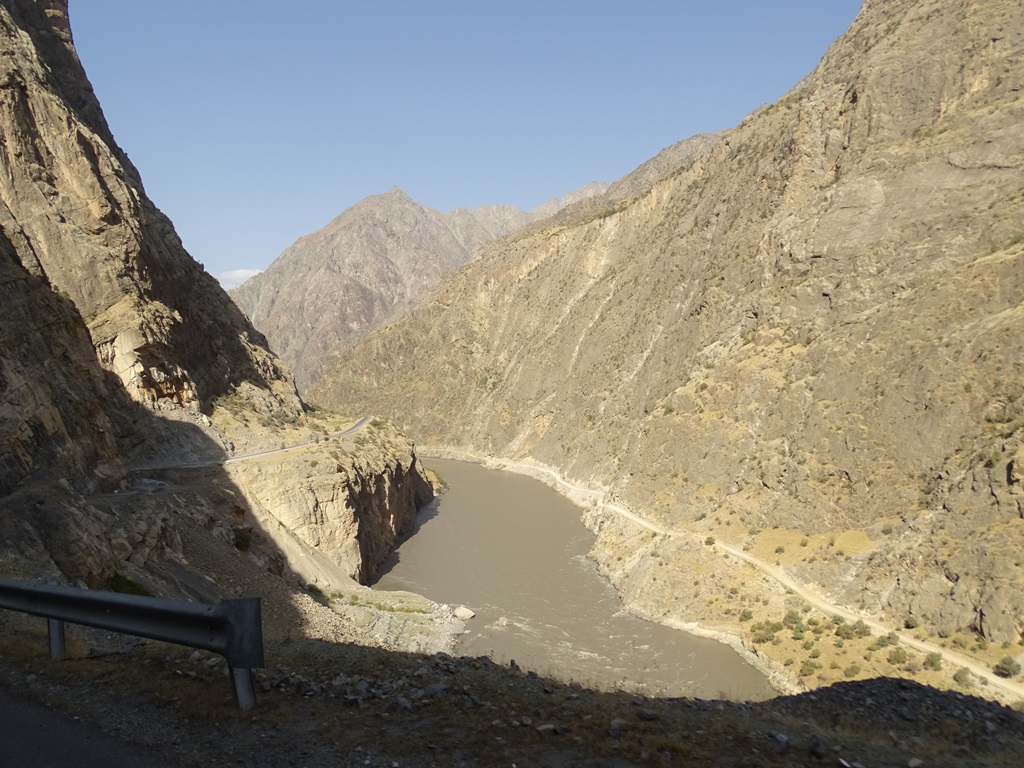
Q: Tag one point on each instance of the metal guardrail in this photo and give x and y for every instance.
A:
(231, 628)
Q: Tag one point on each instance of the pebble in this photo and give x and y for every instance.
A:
(400, 703)
(780, 742)
(435, 690)
(556, 729)
(618, 725)
(818, 746)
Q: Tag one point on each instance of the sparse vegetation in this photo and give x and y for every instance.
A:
(1007, 667)
(963, 677)
(125, 585)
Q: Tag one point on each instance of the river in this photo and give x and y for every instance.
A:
(514, 551)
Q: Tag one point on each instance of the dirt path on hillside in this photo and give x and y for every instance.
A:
(601, 499)
(822, 604)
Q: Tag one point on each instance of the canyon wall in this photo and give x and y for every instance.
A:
(118, 350)
(805, 341)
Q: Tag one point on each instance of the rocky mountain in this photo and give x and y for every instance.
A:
(805, 342)
(118, 351)
(369, 265)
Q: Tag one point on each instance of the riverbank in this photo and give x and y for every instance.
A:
(595, 505)
(787, 630)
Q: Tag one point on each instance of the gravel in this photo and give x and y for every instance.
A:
(341, 704)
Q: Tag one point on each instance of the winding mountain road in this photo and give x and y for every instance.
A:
(260, 454)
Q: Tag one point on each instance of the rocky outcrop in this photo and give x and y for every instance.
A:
(74, 209)
(336, 514)
(372, 263)
(54, 421)
(806, 341)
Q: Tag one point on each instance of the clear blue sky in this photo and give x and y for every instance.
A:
(255, 122)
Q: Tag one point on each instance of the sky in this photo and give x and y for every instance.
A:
(254, 122)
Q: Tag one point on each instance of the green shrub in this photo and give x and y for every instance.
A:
(121, 583)
(897, 656)
(793, 620)
(911, 622)
(1008, 667)
(933, 661)
(764, 631)
(964, 677)
(845, 631)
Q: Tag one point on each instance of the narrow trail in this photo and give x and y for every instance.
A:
(823, 604)
(582, 494)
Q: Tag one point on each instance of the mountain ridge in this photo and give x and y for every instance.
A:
(802, 343)
(368, 265)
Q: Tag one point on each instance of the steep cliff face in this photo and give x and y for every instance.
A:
(75, 211)
(55, 418)
(115, 346)
(372, 263)
(811, 333)
(59, 416)
(345, 508)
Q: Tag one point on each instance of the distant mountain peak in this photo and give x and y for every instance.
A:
(371, 262)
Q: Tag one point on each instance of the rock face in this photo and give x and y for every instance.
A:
(75, 212)
(346, 512)
(810, 330)
(371, 263)
(116, 346)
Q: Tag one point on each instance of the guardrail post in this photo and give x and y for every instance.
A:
(231, 628)
(242, 687)
(55, 632)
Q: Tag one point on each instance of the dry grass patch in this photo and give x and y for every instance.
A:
(779, 545)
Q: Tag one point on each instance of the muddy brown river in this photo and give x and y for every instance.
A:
(514, 551)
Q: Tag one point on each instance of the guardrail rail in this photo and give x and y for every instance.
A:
(231, 628)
